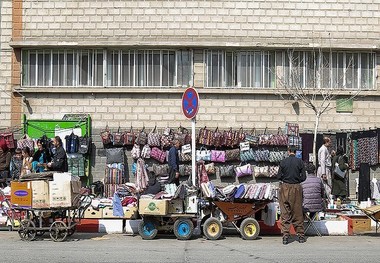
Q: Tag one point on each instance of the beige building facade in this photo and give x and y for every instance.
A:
(127, 63)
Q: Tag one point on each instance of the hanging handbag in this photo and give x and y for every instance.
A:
(145, 152)
(232, 155)
(226, 171)
(118, 138)
(229, 138)
(160, 169)
(265, 138)
(246, 156)
(292, 129)
(167, 138)
(142, 137)
(9, 139)
(218, 156)
(252, 138)
(261, 171)
(184, 169)
(203, 154)
(184, 157)
(205, 136)
(202, 174)
(262, 155)
(218, 138)
(154, 138)
(135, 152)
(115, 155)
(25, 141)
(210, 168)
(84, 144)
(239, 136)
(180, 135)
(129, 137)
(106, 136)
(277, 156)
(158, 154)
(244, 170)
(273, 171)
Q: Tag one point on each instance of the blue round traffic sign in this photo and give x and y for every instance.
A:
(190, 103)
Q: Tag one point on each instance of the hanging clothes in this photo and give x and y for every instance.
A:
(375, 194)
(142, 178)
(341, 140)
(307, 145)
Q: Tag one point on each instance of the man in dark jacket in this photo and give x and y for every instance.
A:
(291, 174)
(173, 161)
(59, 160)
(313, 191)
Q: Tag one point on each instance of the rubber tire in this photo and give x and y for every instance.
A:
(148, 229)
(183, 229)
(249, 229)
(212, 228)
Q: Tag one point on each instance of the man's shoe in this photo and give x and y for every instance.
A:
(301, 239)
(285, 240)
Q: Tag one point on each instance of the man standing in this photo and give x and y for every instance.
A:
(324, 169)
(291, 174)
(173, 160)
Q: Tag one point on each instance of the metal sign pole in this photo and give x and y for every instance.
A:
(193, 176)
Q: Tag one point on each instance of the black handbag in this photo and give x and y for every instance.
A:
(84, 145)
(115, 155)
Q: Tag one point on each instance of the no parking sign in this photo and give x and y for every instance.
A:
(190, 103)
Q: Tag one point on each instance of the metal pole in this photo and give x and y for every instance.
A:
(193, 121)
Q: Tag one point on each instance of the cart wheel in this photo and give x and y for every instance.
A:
(212, 228)
(148, 229)
(27, 230)
(249, 229)
(183, 229)
(58, 231)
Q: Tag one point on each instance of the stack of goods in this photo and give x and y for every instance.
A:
(114, 177)
(241, 192)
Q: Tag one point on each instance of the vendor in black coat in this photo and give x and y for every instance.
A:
(173, 161)
(59, 160)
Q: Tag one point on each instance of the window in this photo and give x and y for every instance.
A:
(130, 68)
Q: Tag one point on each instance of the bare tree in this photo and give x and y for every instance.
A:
(309, 78)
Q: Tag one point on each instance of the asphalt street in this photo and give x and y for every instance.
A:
(165, 248)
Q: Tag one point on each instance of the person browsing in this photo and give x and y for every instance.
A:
(291, 174)
(59, 159)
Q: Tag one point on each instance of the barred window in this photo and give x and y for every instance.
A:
(99, 67)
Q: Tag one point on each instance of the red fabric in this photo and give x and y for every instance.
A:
(3, 144)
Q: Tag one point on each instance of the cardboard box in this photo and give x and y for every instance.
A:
(21, 194)
(361, 224)
(191, 204)
(130, 212)
(63, 193)
(108, 212)
(63, 177)
(175, 206)
(92, 213)
(153, 207)
(40, 194)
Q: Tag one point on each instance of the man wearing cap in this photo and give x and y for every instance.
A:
(291, 174)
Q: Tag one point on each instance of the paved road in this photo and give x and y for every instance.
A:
(122, 248)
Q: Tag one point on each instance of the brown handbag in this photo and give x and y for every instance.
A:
(129, 137)
(106, 136)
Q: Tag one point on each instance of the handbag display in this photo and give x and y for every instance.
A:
(203, 154)
(261, 171)
(118, 138)
(226, 171)
(246, 156)
(142, 137)
(279, 139)
(233, 155)
(252, 138)
(72, 143)
(106, 136)
(202, 174)
(129, 137)
(184, 157)
(210, 168)
(135, 152)
(167, 138)
(277, 156)
(158, 154)
(185, 169)
(244, 170)
(265, 138)
(160, 169)
(154, 138)
(218, 138)
(273, 171)
(115, 155)
(84, 144)
(218, 156)
(229, 138)
(292, 129)
(9, 139)
(25, 141)
(205, 136)
(145, 152)
(261, 155)
(181, 135)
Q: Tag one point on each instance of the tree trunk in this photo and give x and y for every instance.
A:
(315, 153)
